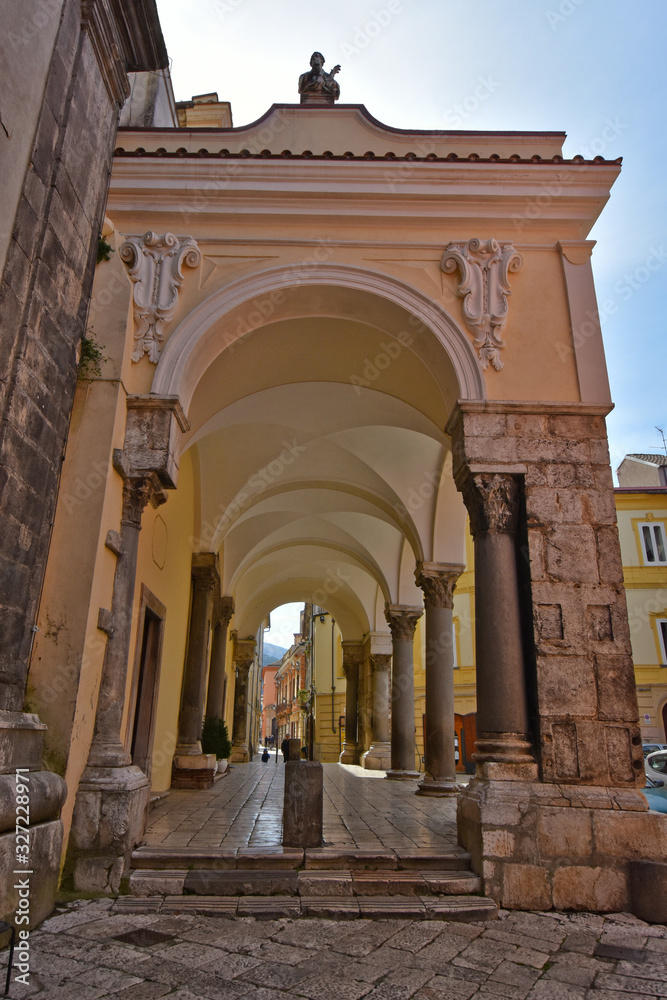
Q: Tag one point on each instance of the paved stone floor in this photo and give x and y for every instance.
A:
(362, 809)
(77, 955)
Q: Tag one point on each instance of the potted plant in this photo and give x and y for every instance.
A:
(215, 739)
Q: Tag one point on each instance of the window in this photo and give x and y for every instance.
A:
(653, 543)
(661, 625)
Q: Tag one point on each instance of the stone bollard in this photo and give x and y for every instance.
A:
(294, 749)
(302, 809)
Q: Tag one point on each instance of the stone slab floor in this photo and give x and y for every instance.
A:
(88, 952)
(362, 810)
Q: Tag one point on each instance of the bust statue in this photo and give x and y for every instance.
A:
(318, 86)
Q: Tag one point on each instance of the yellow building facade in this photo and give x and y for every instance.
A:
(328, 346)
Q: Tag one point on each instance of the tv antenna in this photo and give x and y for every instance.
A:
(662, 434)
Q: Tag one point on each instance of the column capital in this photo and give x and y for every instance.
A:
(138, 492)
(244, 654)
(205, 571)
(223, 610)
(492, 500)
(402, 620)
(354, 654)
(438, 581)
(380, 662)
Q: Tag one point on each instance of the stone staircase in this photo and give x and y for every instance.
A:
(324, 882)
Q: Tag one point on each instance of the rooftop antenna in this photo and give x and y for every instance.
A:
(662, 434)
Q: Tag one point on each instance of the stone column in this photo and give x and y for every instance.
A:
(378, 755)
(353, 658)
(402, 622)
(112, 798)
(107, 749)
(191, 768)
(223, 609)
(244, 655)
(503, 743)
(438, 581)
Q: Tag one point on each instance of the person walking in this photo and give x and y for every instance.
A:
(284, 746)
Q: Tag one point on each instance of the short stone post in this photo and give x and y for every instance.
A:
(303, 802)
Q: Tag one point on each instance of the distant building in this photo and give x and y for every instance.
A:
(641, 503)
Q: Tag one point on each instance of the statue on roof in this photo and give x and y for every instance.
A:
(317, 86)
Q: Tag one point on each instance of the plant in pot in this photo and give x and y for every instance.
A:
(215, 739)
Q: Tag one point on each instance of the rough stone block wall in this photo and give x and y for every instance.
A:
(44, 292)
(581, 674)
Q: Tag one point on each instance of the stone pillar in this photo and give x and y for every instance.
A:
(438, 581)
(402, 622)
(244, 655)
(378, 755)
(503, 743)
(191, 768)
(353, 658)
(223, 609)
(112, 798)
(107, 749)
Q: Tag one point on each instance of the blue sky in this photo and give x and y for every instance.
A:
(593, 68)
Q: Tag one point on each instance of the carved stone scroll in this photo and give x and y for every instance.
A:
(154, 265)
(485, 267)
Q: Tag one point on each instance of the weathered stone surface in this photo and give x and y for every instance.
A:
(564, 833)
(648, 890)
(44, 862)
(581, 888)
(525, 887)
(302, 812)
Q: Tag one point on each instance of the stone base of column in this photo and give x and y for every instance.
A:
(350, 754)
(400, 774)
(539, 846)
(193, 770)
(240, 753)
(438, 786)
(46, 841)
(505, 757)
(109, 820)
(377, 757)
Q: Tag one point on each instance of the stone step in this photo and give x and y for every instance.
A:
(316, 883)
(461, 908)
(270, 858)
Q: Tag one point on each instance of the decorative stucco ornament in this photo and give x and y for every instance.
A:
(154, 266)
(485, 267)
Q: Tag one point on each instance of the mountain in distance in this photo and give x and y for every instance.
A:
(272, 653)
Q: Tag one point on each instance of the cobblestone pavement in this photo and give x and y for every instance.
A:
(361, 810)
(86, 952)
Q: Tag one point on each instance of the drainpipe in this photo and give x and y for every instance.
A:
(333, 678)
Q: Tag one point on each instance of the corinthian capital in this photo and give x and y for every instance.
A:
(380, 662)
(438, 581)
(353, 656)
(402, 620)
(244, 654)
(138, 492)
(492, 499)
(223, 611)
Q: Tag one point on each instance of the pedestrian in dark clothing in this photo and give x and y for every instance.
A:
(284, 746)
